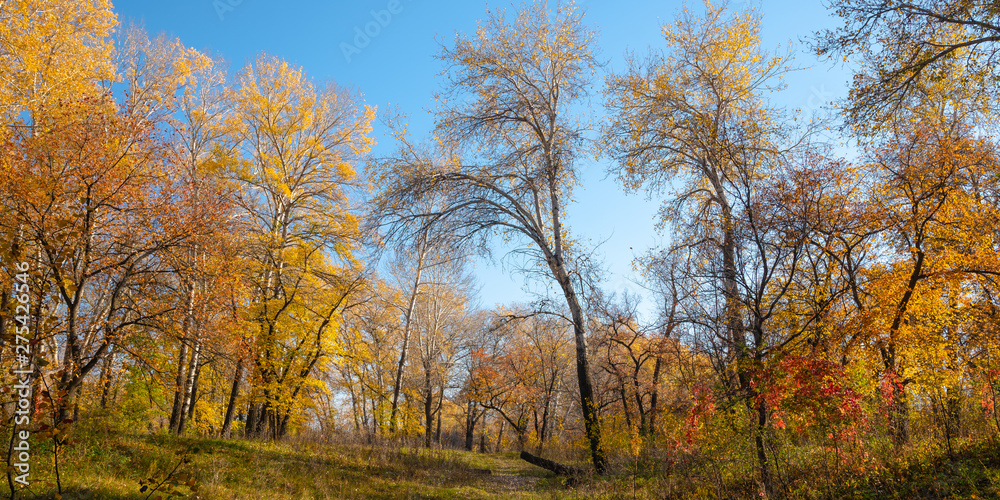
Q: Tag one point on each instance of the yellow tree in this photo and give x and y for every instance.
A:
(51, 51)
(297, 146)
(368, 342)
(928, 171)
(927, 71)
(184, 92)
(697, 113)
(906, 45)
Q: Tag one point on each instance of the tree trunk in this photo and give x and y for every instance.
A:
(106, 378)
(557, 265)
(181, 379)
(234, 393)
(428, 409)
(558, 468)
(354, 407)
(543, 432)
(623, 395)
(899, 413)
(187, 405)
(175, 412)
(761, 447)
(253, 415)
(654, 398)
(899, 408)
(407, 326)
(470, 425)
(283, 425)
(500, 435)
(194, 391)
(521, 431)
(738, 340)
(437, 413)
(591, 422)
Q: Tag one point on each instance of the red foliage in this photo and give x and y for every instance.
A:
(702, 408)
(809, 392)
(988, 390)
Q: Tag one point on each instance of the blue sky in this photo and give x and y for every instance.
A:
(397, 67)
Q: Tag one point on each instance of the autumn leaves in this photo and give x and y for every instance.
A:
(176, 218)
(200, 250)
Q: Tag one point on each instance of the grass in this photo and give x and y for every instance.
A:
(973, 472)
(116, 465)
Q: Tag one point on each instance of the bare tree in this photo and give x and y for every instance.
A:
(508, 104)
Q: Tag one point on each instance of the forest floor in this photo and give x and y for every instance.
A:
(119, 466)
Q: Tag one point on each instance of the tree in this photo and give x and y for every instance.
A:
(697, 112)
(629, 356)
(928, 172)
(95, 200)
(904, 45)
(477, 341)
(694, 113)
(519, 372)
(663, 272)
(185, 92)
(419, 250)
(297, 145)
(52, 51)
(441, 326)
(510, 94)
(368, 340)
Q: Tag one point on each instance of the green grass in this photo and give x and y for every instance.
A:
(109, 465)
(112, 466)
(972, 472)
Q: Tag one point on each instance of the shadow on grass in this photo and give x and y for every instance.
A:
(82, 494)
(971, 472)
(110, 466)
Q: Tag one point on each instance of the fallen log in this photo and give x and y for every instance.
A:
(558, 468)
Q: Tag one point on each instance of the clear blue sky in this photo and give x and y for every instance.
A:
(398, 67)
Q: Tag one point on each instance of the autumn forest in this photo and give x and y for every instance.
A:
(213, 286)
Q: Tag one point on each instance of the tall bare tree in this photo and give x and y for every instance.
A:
(508, 105)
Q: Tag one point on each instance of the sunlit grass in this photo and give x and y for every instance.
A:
(106, 464)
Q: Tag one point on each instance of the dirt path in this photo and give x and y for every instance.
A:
(509, 474)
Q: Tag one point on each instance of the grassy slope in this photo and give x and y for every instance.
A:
(111, 466)
(973, 472)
